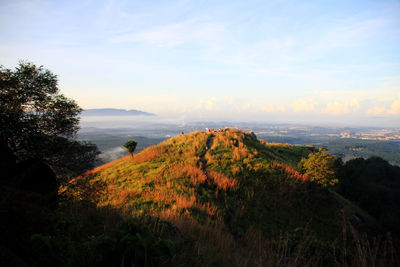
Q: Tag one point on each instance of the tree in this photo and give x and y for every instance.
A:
(320, 167)
(130, 146)
(37, 121)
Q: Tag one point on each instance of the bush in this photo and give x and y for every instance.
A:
(320, 167)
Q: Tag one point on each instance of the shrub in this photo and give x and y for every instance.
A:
(320, 167)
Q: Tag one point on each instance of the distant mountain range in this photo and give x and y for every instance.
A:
(114, 112)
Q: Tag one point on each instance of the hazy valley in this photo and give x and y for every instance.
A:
(109, 133)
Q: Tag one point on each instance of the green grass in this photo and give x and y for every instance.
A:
(226, 200)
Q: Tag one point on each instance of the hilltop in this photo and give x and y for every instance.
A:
(227, 191)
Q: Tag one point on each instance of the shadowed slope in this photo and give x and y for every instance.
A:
(238, 178)
(219, 187)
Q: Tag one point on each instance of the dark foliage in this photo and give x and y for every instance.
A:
(37, 127)
(67, 157)
(37, 121)
(7, 163)
(34, 175)
(29, 176)
(374, 185)
(28, 200)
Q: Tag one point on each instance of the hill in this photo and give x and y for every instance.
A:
(114, 112)
(227, 198)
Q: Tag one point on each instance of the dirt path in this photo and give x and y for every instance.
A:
(210, 141)
(203, 161)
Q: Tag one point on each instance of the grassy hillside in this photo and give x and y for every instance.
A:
(228, 198)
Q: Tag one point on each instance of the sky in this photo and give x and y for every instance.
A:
(319, 62)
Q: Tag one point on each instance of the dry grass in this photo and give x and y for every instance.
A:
(193, 172)
(124, 195)
(274, 144)
(289, 171)
(150, 153)
(222, 181)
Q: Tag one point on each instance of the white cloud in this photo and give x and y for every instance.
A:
(304, 105)
(395, 108)
(377, 110)
(269, 108)
(206, 104)
(340, 108)
(247, 106)
(281, 108)
(210, 103)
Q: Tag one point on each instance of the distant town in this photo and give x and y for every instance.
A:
(362, 133)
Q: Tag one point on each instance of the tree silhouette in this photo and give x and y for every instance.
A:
(37, 121)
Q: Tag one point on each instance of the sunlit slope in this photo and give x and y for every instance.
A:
(226, 178)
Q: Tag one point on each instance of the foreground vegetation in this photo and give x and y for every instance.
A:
(223, 198)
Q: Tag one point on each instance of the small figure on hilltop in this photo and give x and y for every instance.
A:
(130, 146)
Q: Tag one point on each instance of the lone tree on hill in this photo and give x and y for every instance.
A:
(320, 167)
(130, 146)
(37, 121)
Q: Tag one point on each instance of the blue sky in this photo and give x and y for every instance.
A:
(278, 61)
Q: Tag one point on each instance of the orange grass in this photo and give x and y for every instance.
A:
(193, 172)
(180, 202)
(289, 171)
(160, 196)
(125, 195)
(150, 153)
(183, 202)
(222, 181)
